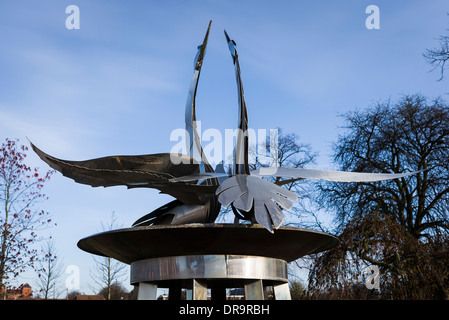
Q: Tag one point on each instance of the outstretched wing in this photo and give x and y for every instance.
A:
(150, 171)
(246, 192)
(200, 176)
(250, 192)
(328, 175)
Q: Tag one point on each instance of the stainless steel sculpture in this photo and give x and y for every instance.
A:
(198, 188)
(178, 245)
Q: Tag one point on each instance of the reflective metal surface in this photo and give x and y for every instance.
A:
(329, 175)
(241, 164)
(147, 291)
(179, 240)
(199, 290)
(193, 182)
(139, 243)
(245, 192)
(174, 213)
(282, 291)
(192, 139)
(254, 290)
(208, 267)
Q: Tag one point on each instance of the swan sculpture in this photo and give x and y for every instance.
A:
(200, 190)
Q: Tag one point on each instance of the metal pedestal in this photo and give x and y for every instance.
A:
(198, 273)
(207, 259)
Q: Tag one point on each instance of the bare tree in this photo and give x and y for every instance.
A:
(73, 294)
(108, 271)
(438, 57)
(49, 269)
(20, 221)
(297, 290)
(115, 292)
(399, 226)
(410, 135)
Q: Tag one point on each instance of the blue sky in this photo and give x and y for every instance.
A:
(118, 85)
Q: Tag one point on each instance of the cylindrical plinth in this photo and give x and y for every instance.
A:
(199, 257)
(208, 267)
(197, 273)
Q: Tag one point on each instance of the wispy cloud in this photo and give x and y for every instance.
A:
(52, 135)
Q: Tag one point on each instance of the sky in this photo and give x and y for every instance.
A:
(118, 84)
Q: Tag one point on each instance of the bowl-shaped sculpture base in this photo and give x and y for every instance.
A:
(198, 257)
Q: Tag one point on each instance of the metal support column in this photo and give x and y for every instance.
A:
(197, 273)
(254, 290)
(282, 292)
(199, 290)
(147, 291)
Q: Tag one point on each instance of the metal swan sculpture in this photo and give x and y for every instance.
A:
(200, 190)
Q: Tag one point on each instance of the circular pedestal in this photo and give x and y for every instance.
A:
(211, 267)
(198, 273)
(138, 243)
(215, 256)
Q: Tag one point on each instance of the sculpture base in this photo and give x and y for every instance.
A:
(198, 257)
(218, 273)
